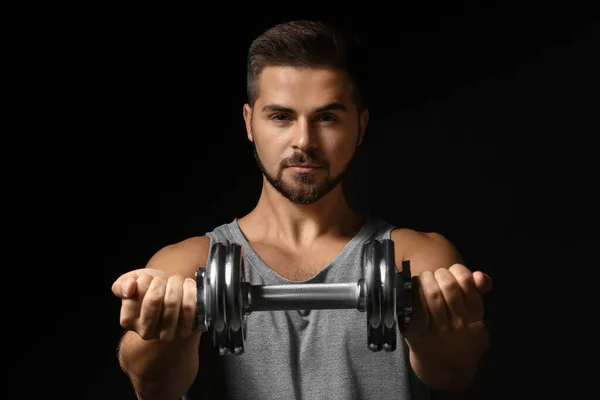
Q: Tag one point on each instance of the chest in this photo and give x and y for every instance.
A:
(299, 265)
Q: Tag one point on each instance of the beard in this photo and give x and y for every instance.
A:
(305, 188)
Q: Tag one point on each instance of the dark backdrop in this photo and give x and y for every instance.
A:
(482, 129)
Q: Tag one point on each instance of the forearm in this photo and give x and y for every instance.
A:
(450, 362)
(158, 369)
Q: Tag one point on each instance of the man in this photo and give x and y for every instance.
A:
(305, 117)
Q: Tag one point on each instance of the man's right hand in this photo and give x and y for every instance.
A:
(155, 304)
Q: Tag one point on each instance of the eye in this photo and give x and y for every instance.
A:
(328, 118)
(279, 117)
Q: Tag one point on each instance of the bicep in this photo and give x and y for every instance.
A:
(182, 258)
(425, 251)
(439, 251)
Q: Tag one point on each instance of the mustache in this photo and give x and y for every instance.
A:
(301, 158)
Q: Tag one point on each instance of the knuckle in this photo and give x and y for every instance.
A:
(169, 319)
(143, 283)
(154, 280)
(166, 335)
(144, 334)
(144, 279)
(442, 328)
(170, 302)
(457, 268)
(189, 290)
(427, 274)
(147, 318)
(446, 285)
(441, 273)
(188, 307)
(154, 296)
(185, 325)
(166, 318)
(459, 324)
(176, 278)
(435, 294)
(463, 278)
(444, 279)
(160, 282)
(126, 323)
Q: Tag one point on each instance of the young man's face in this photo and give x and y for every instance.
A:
(305, 128)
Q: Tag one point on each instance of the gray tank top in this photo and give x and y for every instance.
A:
(313, 354)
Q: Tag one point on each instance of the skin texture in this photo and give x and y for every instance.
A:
(292, 132)
(302, 117)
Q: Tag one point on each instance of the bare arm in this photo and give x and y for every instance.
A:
(445, 355)
(159, 370)
(164, 367)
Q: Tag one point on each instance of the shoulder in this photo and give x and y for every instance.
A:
(183, 258)
(424, 250)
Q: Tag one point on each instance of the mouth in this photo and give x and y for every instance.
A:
(303, 167)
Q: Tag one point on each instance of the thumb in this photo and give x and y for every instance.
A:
(126, 284)
(483, 282)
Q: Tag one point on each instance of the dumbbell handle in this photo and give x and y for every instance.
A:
(304, 296)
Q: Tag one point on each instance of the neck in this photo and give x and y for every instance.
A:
(298, 225)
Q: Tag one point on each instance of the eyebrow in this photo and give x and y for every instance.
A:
(329, 107)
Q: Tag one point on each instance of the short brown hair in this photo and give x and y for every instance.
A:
(306, 43)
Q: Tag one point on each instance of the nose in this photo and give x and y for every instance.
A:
(303, 136)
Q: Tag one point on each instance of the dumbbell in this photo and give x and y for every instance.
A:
(225, 299)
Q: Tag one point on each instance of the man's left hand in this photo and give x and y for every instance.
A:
(446, 300)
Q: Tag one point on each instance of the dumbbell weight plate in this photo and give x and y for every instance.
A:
(202, 296)
(217, 295)
(234, 316)
(387, 269)
(371, 255)
(223, 300)
(380, 273)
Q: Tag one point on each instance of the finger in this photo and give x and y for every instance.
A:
(454, 298)
(143, 283)
(117, 287)
(128, 287)
(472, 297)
(483, 282)
(152, 306)
(171, 307)
(187, 314)
(122, 287)
(131, 306)
(130, 312)
(436, 304)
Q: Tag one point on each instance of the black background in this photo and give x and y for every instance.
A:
(483, 128)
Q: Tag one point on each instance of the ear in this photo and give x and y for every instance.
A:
(363, 121)
(248, 121)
